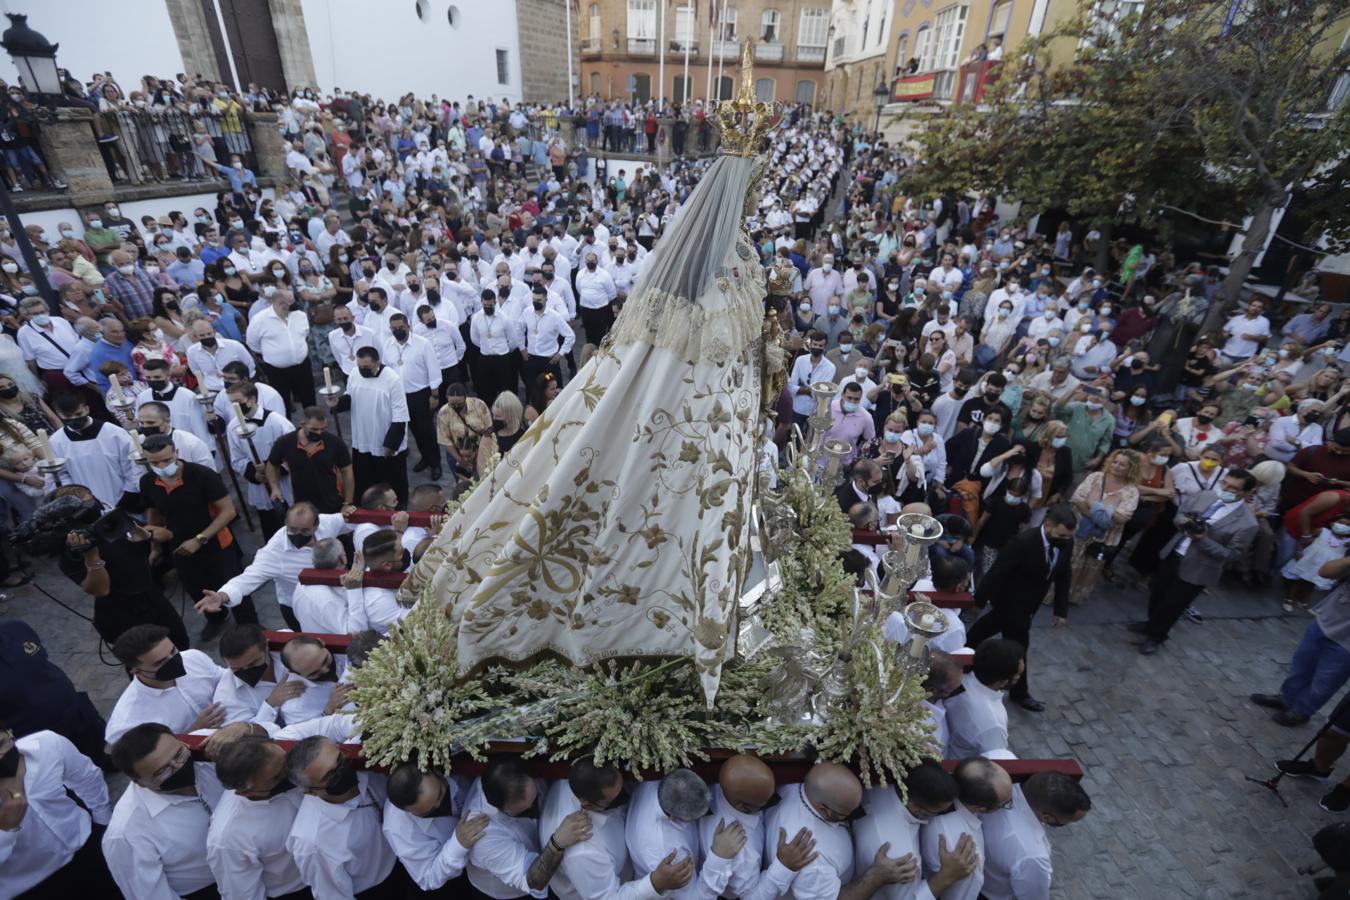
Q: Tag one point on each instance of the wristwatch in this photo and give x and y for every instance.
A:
(202, 539)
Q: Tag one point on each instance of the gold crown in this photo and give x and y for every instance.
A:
(744, 121)
(780, 276)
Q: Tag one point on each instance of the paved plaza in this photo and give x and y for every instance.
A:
(1165, 740)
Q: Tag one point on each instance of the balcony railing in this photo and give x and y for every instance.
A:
(679, 46)
(769, 52)
(726, 50)
(592, 45)
(810, 54)
(642, 46)
(975, 77)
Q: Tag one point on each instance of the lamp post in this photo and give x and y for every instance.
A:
(881, 95)
(35, 58)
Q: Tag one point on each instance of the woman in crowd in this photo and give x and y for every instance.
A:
(27, 408)
(464, 430)
(236, 286)
(148, 343)
(542, 392)
(168, 315)
(508, 421)
(1105, 501)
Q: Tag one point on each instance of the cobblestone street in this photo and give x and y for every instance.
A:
(1165, 740)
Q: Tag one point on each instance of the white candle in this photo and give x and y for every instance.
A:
(201, 383)
(117, 390)
(136, 440)
(916, 645)
(239, 414)
(327, 378)
(918, 530)
(46, 446)
(926, 620)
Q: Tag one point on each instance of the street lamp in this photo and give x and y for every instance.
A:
(881, 95)
(35, 58)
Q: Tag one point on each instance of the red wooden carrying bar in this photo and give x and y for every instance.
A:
(333, 578)
(787, 768)
(383, 517)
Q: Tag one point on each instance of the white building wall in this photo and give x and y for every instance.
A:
(386, 50)
(129, 39)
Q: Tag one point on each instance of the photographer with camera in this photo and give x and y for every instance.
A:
(1214, 527)
(108, 556)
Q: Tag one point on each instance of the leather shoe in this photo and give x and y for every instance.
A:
(1031, 704)
(422, 465)
(1270, 701)
(1289, 718)
(1148, 648)
(1138, 627)
(436, 474)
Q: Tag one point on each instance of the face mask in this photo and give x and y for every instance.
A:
(589, 265)
(828, 267)
(368, 373)
(151, 269)
(1012, 499)
(893, 437)
(400, 334)
(861, 372)
(1083, 306)
(1050, 313)
(845, 348)
(156, 384)
(1340, 528)
(1004, 312)
(95, 223)
(11, 268)
(77, 424)
(229, 270)
(1093, 405)
(1058, 442)
(1226, 496)
(1096, 283)
(183, 778)
(1085, 327)
(850, 406)
(1248, 386)
(9, 393)
(252, 675)
(165, 471)
(269, 290)
(1106, 310)
(926, 428)
(1138, 401)
(343, 778)
(348, 327)
(41, 318)
(1208, 465)
(990, 428)
(282, 787)
(172, 669)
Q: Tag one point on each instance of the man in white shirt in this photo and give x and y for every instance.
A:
(596, 296)
(278, 336)
(807, 369)
(209, 355)
(512, 859)
(824, 285)
(322, 608)
(391, 278)
(745, 789)
(249, 453)
(279, 561)
(414, 359)
(1058, 381)
(446, 340)
(169, 687)
(347, 338)
(663, 828)
(598, 867)
(336, 839)
(1017, 849)
(371, 608)
(323, 675)
(185, 406)
(424, 828)
(47, 343)
(497, 338)
(256, 676)
(895, 824)
(545, 337)
(46, 838)
(1290, 434)
(332, 234)
(983, 787)
(824, 803)
(1246, 333)
(947, 277)
(976, 716)
(154, 418)
(246, 843)
(155, 844)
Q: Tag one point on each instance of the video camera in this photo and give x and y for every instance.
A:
(47, 531)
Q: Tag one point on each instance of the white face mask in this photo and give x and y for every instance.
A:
(861, 372)
(1085, 327)
(990, 428)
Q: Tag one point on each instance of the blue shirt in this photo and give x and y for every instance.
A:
(238, 178)
(187, 274)
(211, 255)
(227, 322)
(104, 351)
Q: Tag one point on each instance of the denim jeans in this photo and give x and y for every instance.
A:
(1318, 670)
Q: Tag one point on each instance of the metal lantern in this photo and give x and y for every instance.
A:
(820, 420)
(925, 622)
(835, 451)
(34, 56)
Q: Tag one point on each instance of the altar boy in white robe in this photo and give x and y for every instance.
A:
(379, 413)
(184, 406)
(248, 452)
(97, 454)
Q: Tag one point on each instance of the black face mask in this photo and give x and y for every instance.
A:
(313, 436)
(400, 334)
(539, 306)
(9, 393)
(282, 787)
(591, 266)
(184, 777)
(1204, 420)
(147, 430)
(531, 813)
(172, 668)
(299, 541)
(78, 424)
(9, 764)
(621, 799)
(208, 343)
(156, 385)
(368, 373)
(348, 327)
(430, 323)
(369, 273)
(343, 778)
(498, 424)
(253, 674)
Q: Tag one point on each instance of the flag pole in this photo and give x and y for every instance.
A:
(571, 93)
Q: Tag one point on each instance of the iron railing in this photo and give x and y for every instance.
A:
(156, 144)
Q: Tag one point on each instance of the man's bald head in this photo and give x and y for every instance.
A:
(833, 790)
(944, 675)
(747, 783)
(984, 786)
(121, 258)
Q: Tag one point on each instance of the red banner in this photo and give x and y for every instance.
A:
(913, 87)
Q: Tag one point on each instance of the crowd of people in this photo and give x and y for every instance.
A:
(432, 273)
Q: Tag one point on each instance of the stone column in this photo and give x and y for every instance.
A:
(268, 146)
(68, 145)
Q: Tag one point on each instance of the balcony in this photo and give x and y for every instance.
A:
(912, 88)
(726, 50)
(592, 47)
(843, 49)
(641, 46)
(765, 52)
(975, 78)
(810, 54)
(679, 46)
